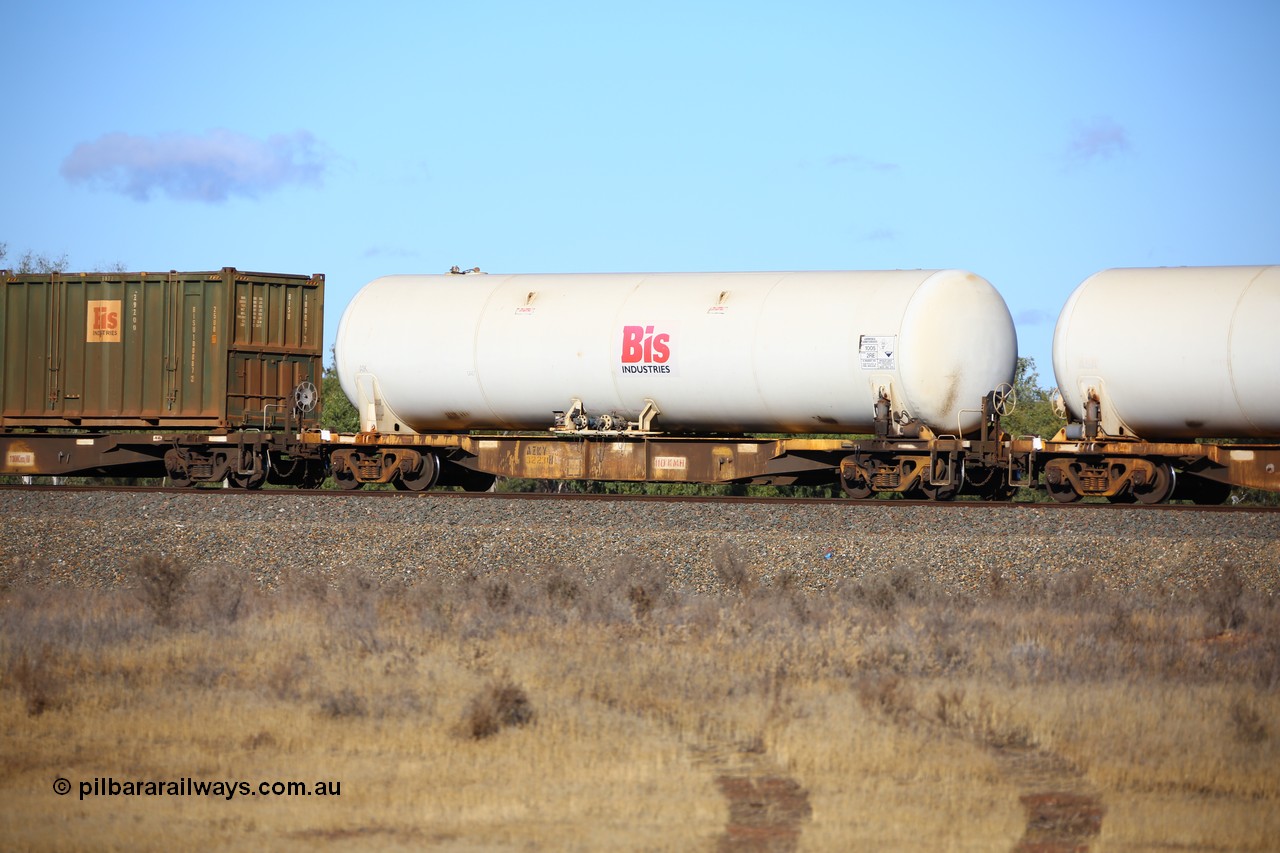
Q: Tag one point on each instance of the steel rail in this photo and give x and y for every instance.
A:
(741, 500)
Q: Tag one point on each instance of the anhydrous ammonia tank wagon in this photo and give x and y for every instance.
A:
(785, 352)
(1174, 353)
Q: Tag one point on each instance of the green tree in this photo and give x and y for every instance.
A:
(30, 262)
(1033, 414)
(337, 413)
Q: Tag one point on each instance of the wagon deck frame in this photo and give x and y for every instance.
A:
(936, 467)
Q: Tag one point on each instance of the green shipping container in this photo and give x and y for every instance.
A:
(202, 350)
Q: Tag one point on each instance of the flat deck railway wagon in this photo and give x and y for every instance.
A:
(673, 377)
(200, 376)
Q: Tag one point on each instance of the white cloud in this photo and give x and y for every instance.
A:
(857, 161)
(208, 168)
(1034, 317)
(1101, 138)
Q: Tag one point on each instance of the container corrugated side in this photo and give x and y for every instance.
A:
(170, 349)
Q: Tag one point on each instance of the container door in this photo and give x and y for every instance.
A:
(29, 351)
(200, 385)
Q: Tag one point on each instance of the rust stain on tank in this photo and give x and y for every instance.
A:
(952, 391)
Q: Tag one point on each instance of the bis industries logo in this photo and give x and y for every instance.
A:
(643, 351)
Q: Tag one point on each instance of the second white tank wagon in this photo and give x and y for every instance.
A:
(1173, 353)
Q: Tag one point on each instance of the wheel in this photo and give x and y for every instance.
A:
(478, 481)
(1159, 489)
(1059, 487)
(313, 476)
(1062, 493)
(257, 472)
(1203, 492)
(342, 466)
(176, 470)
(1000, 492)
(858, 488)
(453, 474)
(346, 480)
(421, 478)
(946, 491)
(939, 493)
(987, 481)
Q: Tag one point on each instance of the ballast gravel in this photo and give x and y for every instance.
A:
(90, 539)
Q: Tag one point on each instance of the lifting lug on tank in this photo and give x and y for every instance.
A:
(574, 419)
(647, 415)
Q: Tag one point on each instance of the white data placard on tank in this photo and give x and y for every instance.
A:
(716, 352)
(1174, 353)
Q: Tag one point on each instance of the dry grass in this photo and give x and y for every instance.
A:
(550, 709)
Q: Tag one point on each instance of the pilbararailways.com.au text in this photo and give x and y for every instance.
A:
(188, 787)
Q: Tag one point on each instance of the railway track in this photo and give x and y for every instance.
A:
(389, 494)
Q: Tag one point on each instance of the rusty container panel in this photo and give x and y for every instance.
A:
(157, 349)
(617, 460)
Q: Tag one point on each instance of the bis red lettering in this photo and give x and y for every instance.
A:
(641, 345)
(104, 319)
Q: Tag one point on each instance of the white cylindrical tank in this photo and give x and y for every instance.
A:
(1174, 353)
(789, 352)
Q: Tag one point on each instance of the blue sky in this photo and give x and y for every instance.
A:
(1033, 143)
